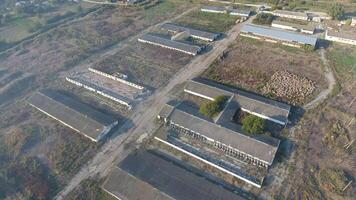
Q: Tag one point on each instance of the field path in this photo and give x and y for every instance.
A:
(143, 117)
(329, 75)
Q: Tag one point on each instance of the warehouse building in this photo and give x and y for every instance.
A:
(79, 81)
(240, 12)
(213, 9)
(342, 37)
(170, 44)
(149, 175)
(194, 33)
(275, 35)
(230, 141)
(269, 109)
(291, 14)
(308, 29)
(75, 115)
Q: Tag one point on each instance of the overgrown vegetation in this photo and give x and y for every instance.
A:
(253, 124)
(89, 189)
(263, 19)
(308, 48)
(334, 180)
(212, 108)
(213, 22)
(336, 10)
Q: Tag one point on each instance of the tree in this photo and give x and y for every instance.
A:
(263, 19)
(211, 108)
(336, 11)
(253, 124)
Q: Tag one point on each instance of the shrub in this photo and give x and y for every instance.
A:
(263, 19)
(211, 108)
(336, 11)
(253, 124)
(308, 47)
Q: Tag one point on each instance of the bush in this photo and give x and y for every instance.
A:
(308, 47)
(253, 124)
(210, 109)
(336, 11)
(263, 19)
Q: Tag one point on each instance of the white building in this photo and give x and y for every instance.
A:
(291, 14)
(213, 9)
(342, 37)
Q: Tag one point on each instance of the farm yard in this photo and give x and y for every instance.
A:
(256, 66)
(58, 152)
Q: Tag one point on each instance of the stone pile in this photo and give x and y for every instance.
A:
(287, 85)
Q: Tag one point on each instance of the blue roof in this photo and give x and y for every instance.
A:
(279, 34)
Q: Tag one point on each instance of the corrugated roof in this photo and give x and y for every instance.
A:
(190, 31)
(81, 117)
(171, 179)
(279, 34)
(170, 43)
(248, 145)
(127, 187)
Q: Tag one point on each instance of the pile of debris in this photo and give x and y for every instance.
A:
(290, 86)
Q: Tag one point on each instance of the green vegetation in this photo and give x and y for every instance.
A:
(263, 19)
(308, 48)
(333, 180)
(212, 108)
(344, 61)
(336, 11)
(208, 21)
(89, 189)
(253, 124)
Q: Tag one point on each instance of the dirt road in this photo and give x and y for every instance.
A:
(329, 75)
(143, 117)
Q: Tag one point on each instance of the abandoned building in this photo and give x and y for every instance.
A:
(240, 12)
(263, 107)
(214, 9)
(342, 37)
(308, 29)
(114, 88)
(291, 14)
(277, 36)
(170, 44)
(230, 141)
(73, 114)
(194, 33)
(151, 175)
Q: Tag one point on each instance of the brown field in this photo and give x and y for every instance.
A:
(325, 161)
(145, 64)
(249, 64)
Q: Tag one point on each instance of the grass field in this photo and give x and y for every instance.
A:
(208, 21)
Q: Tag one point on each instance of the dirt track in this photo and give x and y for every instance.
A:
(331, 82)
(114, 151)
